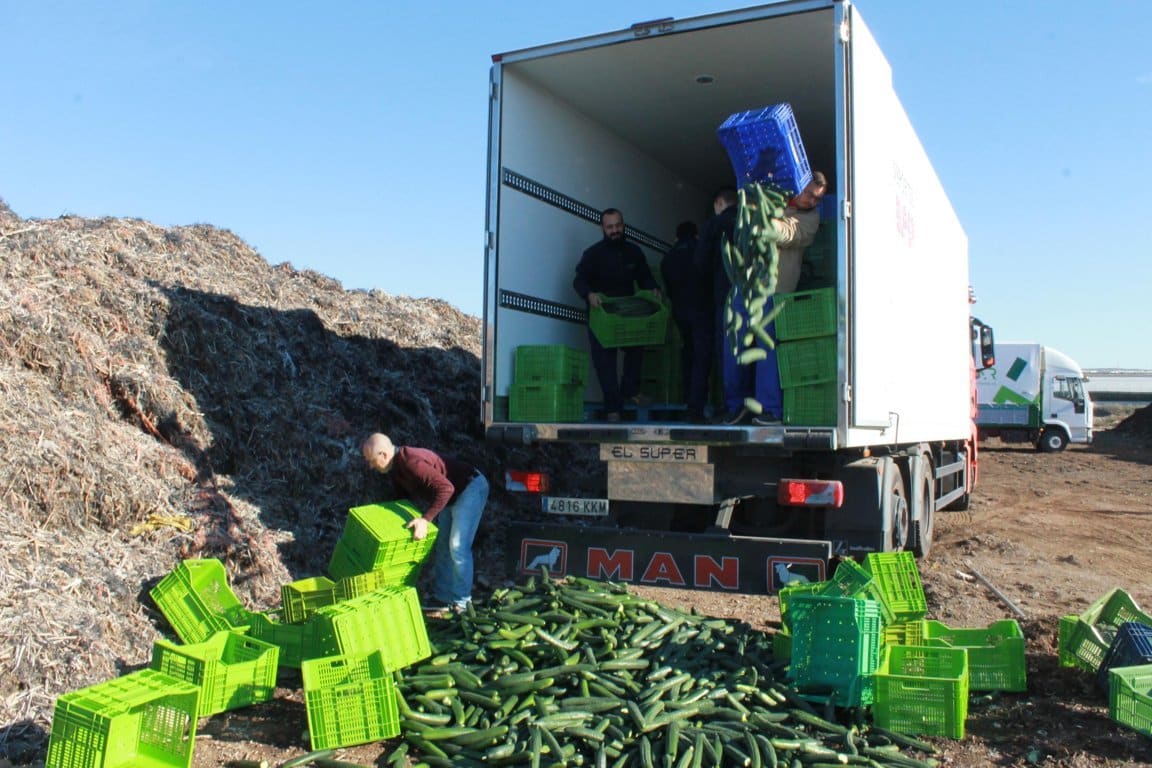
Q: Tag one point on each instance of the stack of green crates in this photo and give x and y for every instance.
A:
(820, 258)
(376, 549)
(548, 384)
(1091, 634)
(806, 356)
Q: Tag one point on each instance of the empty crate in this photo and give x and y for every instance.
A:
(764, 145)
(377, 535)
(922, 690)
(835, 648)
(350, 700)
(197, 600)
(231, 669)
(995, 653)
(144, 719)
(550, 363)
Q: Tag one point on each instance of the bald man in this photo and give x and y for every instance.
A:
(449, 491)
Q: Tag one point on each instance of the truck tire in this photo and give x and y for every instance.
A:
(894, 508)
(923, 526)
(1053, 440)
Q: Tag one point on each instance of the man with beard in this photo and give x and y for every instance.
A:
(614, 267)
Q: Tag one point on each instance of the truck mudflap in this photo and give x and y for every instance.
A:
(712, 561)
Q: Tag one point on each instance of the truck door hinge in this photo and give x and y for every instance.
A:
(494, 94)
(845, 31)
(847, 209)
(656, 26)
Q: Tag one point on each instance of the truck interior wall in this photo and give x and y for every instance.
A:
(548, 141)
(909, 277)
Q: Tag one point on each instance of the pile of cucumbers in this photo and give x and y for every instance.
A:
(580, 672)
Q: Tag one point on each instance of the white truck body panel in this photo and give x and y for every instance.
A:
(617, 120)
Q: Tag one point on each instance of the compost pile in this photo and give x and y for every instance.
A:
(169, 394)
(1139, 424)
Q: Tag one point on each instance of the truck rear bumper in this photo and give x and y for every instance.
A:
(713, 561)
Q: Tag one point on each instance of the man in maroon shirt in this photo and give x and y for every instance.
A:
(449, 491)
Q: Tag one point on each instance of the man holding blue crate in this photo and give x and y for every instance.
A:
(452, 493)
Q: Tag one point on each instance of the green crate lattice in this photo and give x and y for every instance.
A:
(812, 404)
(835, 648)
(198, 601)
(546, 402)
(899, 582)
(377, 535)
(615, 330)
(145, 719)
(550, 364)
(350, 700)
(231, 669)
(1095, 629)
(808, 361)
(921, 690)
(806, 314)
(1130, 697)
(995, 653)
(303, 597)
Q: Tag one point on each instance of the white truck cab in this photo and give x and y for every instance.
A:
(1034, 394)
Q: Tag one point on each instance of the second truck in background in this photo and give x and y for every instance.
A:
(1034, 394)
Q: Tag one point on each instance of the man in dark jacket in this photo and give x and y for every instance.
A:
(613, 267)
(690, 293)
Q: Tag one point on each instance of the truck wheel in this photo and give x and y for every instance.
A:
(894, 507)
(922, 528)
(1053, 440)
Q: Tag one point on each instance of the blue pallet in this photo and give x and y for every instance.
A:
(1132, 647)
(764, 146)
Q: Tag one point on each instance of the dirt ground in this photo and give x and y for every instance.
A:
(1051, 532)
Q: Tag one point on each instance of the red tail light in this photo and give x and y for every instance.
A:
(810, 493)
(526, 482)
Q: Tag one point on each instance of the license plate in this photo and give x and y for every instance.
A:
(564, 505)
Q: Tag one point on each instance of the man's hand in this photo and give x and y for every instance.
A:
(594, 299)
(419, 528)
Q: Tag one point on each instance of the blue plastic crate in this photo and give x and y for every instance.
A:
(1132, 647)
(764, 145)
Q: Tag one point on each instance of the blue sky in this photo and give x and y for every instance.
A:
(350, 137)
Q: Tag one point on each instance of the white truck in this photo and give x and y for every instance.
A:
(1034, 394)
(628, 119)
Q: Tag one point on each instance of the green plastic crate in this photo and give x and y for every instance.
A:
(806, 314)
(293, 640)
(388, 620)
(197, 600)
(350, 700)
(399, 575)
(808, 361)
(922, 690)
(614, 328)
(550, 364)
(995, 653)
(231, 669)
(899, 582)
(904, 633)
(782, 647)
(835, 648)
(811, 404)
(1095, 629)
(145, 719)
(546, 402)
(850, 579)
(344, 564)
(1064, 642)
(377, 535)
(1130, 697)
(303, 597)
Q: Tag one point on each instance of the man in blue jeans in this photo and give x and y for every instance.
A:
(450, 492)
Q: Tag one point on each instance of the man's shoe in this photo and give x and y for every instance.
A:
(612, 417)
(743, 416)
(766, 420)
(436, 611)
